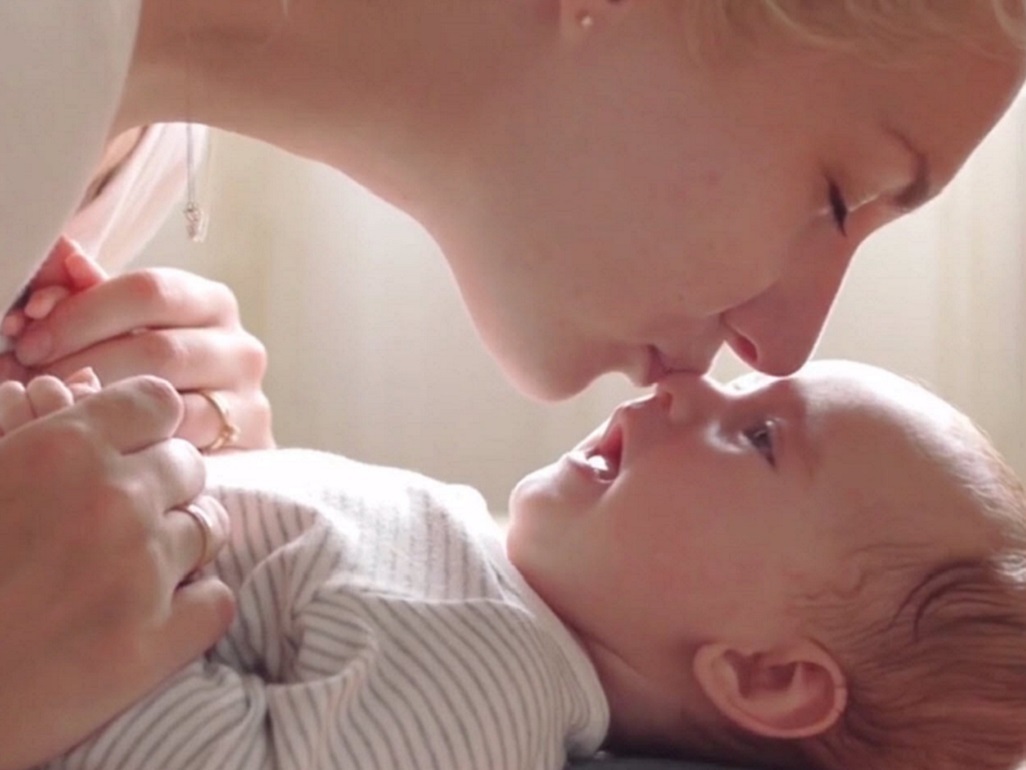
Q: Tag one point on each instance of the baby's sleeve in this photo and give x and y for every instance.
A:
(385, 645)
(212, 717)
(262, 698)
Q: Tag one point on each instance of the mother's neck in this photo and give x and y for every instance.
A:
(378, 89)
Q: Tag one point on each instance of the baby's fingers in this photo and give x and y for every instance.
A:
(83, 272)
(14, 323)
(15, 409)
(21, 404)
(47, 394)
(43, 301)
(82, 383)
(40, 304)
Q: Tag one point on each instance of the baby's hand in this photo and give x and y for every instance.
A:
(43, 395)
(66, 270)
(168, 323)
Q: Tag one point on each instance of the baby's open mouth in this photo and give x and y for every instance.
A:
(604, 456)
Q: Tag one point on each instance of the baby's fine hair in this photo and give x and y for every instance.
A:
(933, 650)
(939, 682)
(871, 26)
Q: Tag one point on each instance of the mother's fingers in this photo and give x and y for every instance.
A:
(201, 612)
(243, 420)
(132, 415)
(188, 358)
(193, 534)
(154, 298)
(95, 613)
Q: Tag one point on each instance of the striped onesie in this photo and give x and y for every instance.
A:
(380, 625)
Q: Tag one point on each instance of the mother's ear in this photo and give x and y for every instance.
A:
(580, 18)
(794, 691)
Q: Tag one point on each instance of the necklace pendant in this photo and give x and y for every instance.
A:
(195, 222)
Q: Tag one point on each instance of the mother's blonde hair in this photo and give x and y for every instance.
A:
(876, 27)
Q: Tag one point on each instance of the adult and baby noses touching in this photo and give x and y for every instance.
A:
(773, 328)
(721, 221)
(607, 205)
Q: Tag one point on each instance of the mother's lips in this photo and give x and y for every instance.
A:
(658, 365)
(654, 368)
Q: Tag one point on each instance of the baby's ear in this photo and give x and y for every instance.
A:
(794, 691)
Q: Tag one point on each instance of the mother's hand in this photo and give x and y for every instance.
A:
(170, 323)
(94, 550)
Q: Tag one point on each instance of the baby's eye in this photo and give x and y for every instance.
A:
(760, 437)
(838, 207)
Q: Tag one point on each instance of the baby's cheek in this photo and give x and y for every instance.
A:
(736, 571)
(843, 582)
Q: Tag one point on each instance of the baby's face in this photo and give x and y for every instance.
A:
(700, 512)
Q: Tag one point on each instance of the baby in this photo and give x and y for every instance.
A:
(822, 571)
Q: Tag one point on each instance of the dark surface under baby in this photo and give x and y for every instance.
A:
(627, 763)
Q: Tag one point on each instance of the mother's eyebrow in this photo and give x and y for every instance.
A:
(920, 189)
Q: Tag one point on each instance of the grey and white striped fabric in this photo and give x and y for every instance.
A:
(380, 626)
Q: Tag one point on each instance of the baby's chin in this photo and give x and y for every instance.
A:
(513, 502)
(517, 538)
(533, 485)
(524, 546)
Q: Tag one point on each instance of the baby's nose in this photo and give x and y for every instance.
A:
(689, 396)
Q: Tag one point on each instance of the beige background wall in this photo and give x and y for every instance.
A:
(372, 355)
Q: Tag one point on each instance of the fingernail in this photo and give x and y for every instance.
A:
(84, 272)
(84, 376)
(34, 347)
(13, 324)
(75, 246)
(43, 301)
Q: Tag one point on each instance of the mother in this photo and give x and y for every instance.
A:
(616, 184)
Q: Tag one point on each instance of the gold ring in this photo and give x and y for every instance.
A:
(229, 432)
(202, 518)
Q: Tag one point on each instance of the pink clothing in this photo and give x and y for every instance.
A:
(114, 227)
(56, 115)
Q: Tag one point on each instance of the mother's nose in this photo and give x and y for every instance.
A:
(776, 331)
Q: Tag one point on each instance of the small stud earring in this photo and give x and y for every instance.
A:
(586, 20)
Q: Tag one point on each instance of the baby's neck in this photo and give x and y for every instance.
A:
(648, 713)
